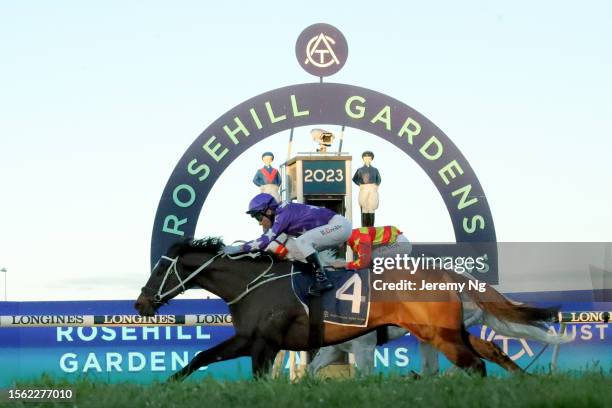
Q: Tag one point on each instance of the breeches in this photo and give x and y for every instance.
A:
(330, 235)
(368, 197)
(271, 189)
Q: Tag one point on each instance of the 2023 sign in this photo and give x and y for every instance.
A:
(319, 175)
(324, 176)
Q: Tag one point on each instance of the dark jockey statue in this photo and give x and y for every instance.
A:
(368, 180)
(268, 178)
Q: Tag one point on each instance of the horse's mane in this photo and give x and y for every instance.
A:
(207, 244)
(210, 245)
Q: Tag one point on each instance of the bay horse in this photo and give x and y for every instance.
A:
(268, 317)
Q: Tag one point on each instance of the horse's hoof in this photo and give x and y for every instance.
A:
(413, 375)
(174, 379)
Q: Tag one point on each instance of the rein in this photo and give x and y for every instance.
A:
(264, 275)
(254, 284)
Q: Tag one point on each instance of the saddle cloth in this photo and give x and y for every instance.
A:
(348, 303)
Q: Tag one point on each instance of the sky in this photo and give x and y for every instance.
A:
(99, 100)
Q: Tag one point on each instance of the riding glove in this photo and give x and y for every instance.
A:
(232, 249)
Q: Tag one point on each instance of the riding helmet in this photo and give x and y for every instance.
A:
(261, 202)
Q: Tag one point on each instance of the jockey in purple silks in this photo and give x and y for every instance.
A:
(316, 228)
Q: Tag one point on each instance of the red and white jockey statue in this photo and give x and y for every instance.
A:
(315, 229)
(268, 178)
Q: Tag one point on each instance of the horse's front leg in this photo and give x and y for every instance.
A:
(262, 355)
(231, 348)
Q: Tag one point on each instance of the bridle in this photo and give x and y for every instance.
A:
(172, 269)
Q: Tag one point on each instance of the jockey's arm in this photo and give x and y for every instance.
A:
(261, 242)
(279, 226)
(340, 264)
(357, 177)
(278, 248)
(363, 250)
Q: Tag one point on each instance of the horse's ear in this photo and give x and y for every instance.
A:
(217, 242)
(178, 246)
(186, 241)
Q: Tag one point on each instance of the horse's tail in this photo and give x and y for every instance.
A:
(493, 302)
(530, 332)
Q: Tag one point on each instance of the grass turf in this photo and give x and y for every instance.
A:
(561, 390)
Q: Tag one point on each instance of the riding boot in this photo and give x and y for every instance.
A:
(367, 222)
(371, 219)
(321, 283)
(363, 219)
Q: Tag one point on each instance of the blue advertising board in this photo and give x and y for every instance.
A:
(145, 354)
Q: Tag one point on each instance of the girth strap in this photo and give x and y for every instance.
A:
(315, 322)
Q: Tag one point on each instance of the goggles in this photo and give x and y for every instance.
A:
(258, 215)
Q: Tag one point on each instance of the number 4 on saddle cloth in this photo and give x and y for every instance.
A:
(348, 303)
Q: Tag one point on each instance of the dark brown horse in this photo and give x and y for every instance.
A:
(268, 317)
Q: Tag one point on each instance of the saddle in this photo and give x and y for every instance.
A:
(348, 303)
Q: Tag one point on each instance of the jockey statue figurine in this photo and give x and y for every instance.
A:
(268, 178)
(316, 228)
(368, 180)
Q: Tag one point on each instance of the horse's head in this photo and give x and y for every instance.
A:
(175, 272)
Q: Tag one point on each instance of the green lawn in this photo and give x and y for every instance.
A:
(567, 390)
